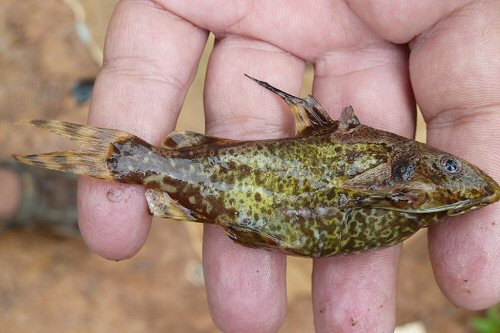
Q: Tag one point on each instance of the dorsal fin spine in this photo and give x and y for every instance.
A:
(308, 113)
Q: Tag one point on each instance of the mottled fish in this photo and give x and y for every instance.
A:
(336, 187)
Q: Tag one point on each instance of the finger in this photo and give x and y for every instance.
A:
(455, 73)
(303, 28)
(401, 21)
(246, 287)
(151, 57)
(358, 292)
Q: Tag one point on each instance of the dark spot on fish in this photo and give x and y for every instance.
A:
(403, 169)
(258, 178)
(245, 170)
(352, 155)
(258, 197)
(330, 195)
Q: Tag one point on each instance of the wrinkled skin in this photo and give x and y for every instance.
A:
(454, 74)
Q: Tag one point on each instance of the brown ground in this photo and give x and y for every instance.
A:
(52, 284)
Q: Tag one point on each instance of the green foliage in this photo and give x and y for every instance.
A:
(488, 324)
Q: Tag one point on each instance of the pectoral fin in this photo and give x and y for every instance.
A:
(308, 113)
(371, 179)
(377, 189)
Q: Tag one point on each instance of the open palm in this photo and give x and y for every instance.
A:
(361, 57)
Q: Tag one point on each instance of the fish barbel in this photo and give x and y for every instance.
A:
(335, 187)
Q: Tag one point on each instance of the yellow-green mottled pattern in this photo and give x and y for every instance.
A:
(284, 194)
(337, 187)
(330, 192)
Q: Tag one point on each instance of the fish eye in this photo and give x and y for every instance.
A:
(450, 164)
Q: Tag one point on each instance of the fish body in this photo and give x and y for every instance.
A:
(336, 187)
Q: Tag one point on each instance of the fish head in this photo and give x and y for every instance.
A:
(429, 180)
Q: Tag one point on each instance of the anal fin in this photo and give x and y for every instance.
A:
(162, 205)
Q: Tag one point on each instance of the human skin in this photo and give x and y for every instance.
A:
(380, 57)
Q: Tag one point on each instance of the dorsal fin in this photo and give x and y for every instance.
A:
(179, 140)
(308, 113)
(348, 119)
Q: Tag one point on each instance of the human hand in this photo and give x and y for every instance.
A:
(151, 57)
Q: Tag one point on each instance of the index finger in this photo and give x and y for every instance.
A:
(150, 59)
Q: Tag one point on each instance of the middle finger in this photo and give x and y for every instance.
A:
(246, 287)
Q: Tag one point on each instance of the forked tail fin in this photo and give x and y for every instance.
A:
(96, 146)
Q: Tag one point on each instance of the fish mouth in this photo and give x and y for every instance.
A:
(469, 205)
(456, 208)
(452, 209)
(463, 206)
